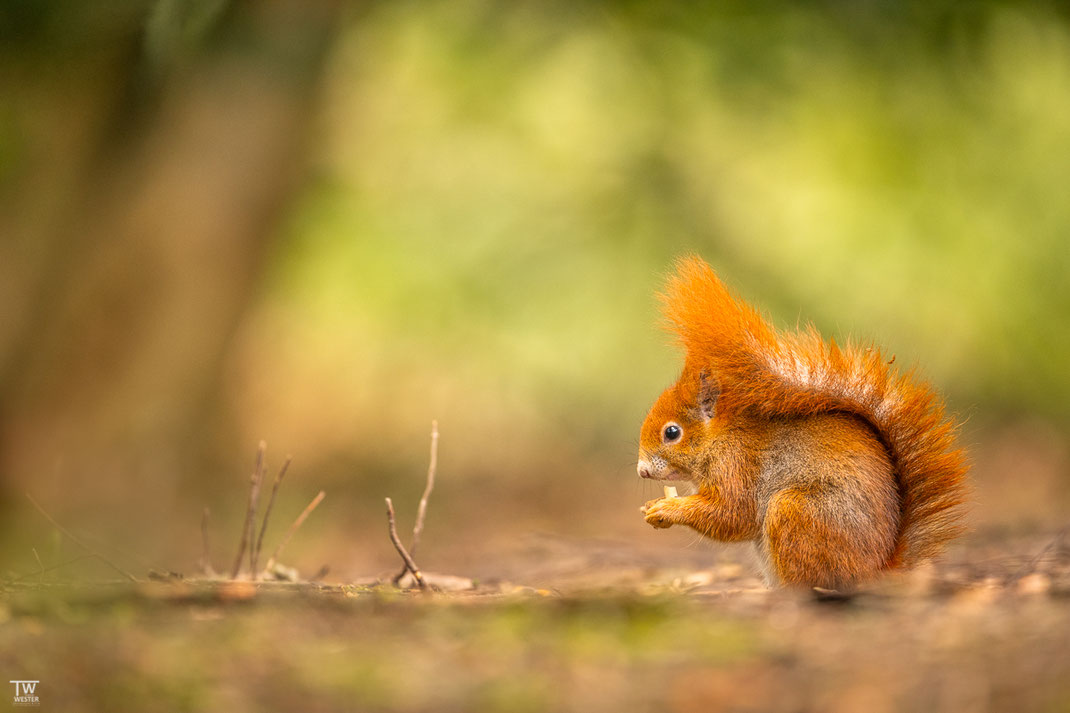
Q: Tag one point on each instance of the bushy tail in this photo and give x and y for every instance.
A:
(779, 374)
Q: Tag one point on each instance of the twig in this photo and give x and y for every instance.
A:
(421, 513)
(409, 564)
(255, 497)
(250, 516)
(267, 511)
(78, 542)
(52, 568)
(293, 528)
(120, 553)
(40, 564)
(1030, 566)
(206, 559)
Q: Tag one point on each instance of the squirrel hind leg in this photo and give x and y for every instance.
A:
(812, 538)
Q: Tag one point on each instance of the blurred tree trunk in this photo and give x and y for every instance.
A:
(143, 171)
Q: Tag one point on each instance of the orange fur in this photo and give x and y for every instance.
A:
(769, 381)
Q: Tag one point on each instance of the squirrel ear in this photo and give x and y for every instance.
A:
(708, 391)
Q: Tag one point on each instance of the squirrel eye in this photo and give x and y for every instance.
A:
(672, 433)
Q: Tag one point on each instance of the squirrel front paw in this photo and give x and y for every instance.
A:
(657, 513)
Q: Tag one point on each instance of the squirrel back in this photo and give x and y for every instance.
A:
(768, 374)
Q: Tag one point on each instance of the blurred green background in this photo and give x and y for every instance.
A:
(324, 225)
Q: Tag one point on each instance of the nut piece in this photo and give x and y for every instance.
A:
(670, 491)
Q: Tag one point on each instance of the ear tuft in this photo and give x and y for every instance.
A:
(708, 392)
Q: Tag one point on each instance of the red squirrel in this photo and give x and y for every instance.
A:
(836, 465)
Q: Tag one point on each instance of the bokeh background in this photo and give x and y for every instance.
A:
(325, 224)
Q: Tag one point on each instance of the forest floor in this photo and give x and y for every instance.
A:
(575, 626)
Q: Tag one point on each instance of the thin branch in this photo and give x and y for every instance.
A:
(78, 542)
(119, 552)
(206, 559)
(293, 528)
(267, 511)
(1031, 566)
(52, 568)
(255, 497)
(409, 564)
(250, 516)
(421, 513)
(40, 564)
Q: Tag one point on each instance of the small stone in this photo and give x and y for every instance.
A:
(1035, 583)
(729, 570)
(282, 573)
(236, 590)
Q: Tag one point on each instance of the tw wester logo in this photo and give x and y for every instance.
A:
(26, 693)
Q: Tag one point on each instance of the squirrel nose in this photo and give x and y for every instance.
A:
(644, 469)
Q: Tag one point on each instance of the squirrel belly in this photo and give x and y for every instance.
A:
(836, 465)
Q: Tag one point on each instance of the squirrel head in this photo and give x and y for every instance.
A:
(673, 442)
(678, 436)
